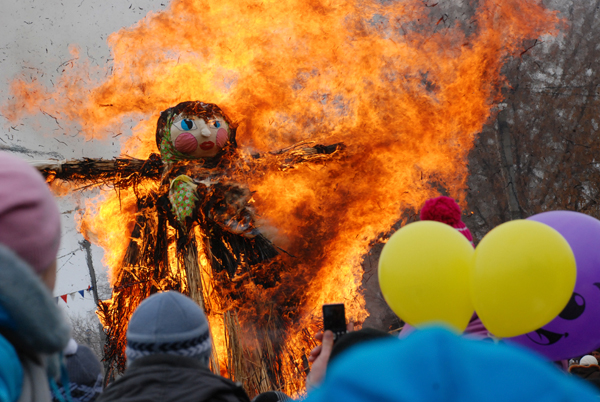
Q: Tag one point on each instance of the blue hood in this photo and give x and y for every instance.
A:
(436, 365)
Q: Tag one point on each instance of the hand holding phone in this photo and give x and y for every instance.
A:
(334, 319)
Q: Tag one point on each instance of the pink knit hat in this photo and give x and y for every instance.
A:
(29, 216)
(445, 210)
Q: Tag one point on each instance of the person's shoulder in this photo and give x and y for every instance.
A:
(578, 368)
(162, 379)
(11, 371)
(235, 393)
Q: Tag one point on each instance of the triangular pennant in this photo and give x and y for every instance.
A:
(72, 295)
(64, 297)
(56, 299)
(89, 288)
(81, 292)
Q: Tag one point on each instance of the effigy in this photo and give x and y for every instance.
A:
(195, 231)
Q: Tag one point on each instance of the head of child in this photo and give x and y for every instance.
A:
(168, 323)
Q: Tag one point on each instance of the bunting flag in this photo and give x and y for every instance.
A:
(72, 294)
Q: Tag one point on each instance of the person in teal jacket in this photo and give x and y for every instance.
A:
(11, 372)
(33, 332)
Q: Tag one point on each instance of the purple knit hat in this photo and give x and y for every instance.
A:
(446, 210)
(29, 216)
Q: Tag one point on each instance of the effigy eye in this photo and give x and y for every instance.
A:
(215, 123)
(186, 124)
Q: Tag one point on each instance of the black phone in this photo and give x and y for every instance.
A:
(334, 319)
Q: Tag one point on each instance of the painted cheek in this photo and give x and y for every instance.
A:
(221, 137)
(186, 143)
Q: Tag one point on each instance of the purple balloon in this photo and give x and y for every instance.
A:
(576, 330)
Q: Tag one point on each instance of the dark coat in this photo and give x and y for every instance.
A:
(589, 373)
(585, 372)
(165, 378)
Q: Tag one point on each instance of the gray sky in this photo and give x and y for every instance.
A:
(34, 40)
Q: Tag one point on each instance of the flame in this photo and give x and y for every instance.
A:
(108, 221)
(405, 96)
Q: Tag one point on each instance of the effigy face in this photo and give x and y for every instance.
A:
(195, 138)
(193, 130)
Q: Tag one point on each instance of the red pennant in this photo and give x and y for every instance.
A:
(64, 297)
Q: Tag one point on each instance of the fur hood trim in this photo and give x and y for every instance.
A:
(33, 315)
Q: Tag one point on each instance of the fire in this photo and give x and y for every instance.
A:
(406, 98)
(106, 231)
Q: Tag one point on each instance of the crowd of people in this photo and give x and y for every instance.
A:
(169, 346)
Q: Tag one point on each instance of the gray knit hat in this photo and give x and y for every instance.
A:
(168, 323)
(85, 374)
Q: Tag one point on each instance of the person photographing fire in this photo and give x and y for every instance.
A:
(336, 339)
(410, 368)
(320, 355)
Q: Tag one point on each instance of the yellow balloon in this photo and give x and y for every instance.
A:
(423, 274)
(523, 276)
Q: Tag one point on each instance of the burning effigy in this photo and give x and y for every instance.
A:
(198, 204)
(405, 89)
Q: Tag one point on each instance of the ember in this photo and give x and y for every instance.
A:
(405, 99)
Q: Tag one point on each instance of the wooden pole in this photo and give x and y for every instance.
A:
(192, 270)
(87, 247)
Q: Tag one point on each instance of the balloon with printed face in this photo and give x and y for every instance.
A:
(523, 276)
(576, 330)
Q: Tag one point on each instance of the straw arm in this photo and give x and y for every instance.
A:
(302, 152)
(100, 170)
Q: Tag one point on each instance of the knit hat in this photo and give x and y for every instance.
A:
(85, 373)
(168, 323)
(446, 210)
(587, 360)
(29, 216)
(272, 396)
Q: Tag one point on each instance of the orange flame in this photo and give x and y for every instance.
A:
(103, 224)
(406, 98)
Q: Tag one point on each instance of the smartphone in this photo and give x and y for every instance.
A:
(334, 319)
